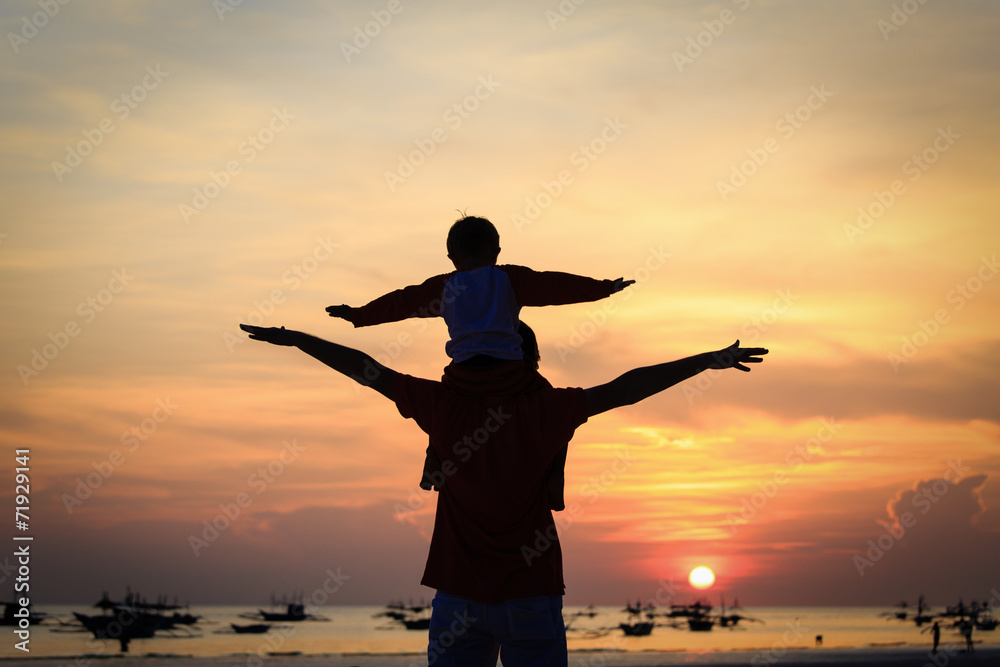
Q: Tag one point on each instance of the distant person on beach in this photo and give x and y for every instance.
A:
(495, 558)
(935, 631)
(481, 303)
(965, 627)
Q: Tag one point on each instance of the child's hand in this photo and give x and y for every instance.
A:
(272, 335)
(343, 312)
(620, 284)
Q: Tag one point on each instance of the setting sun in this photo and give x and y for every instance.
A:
(701, 577)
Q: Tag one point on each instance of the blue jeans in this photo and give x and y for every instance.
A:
(525, 632)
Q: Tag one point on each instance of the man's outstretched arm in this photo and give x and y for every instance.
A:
(641, 383)
(355, 364)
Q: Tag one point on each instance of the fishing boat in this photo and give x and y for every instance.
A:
(411, 616)
(250, 629)
(637, 628)
(634, 625)
(293, 611)
(10, 608)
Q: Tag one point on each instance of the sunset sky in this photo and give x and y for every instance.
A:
(818, 177)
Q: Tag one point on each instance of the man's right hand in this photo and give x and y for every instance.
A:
(273, 335)
(735, 356)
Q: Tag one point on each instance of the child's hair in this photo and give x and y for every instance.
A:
(473, 239)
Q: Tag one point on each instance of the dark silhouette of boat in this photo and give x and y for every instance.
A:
(134, 618)
(416, 623)
(702, 624)
(978, 615)
(251, 628)
(590, 611)
(159, 609)
(732, 619)
(698, 608)
(122, 625)
(985, 620)
(699, 617)
(123, 622)
(634, 625)
(294, 612)
(902, 613)
(411, 616)
(10, 608)
(637, 628)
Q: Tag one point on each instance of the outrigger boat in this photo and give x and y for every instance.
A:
(294, 611)
(411, 617)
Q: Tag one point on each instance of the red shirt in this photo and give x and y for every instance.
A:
(494, 538)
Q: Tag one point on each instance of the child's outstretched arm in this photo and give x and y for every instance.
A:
(641, 383)
(423, 300)
(554, 288)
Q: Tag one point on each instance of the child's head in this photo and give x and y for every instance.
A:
(473, 242)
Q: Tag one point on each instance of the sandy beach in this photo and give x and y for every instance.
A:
(987, 657)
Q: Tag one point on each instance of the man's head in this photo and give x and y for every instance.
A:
(529, 345)
(473, 242)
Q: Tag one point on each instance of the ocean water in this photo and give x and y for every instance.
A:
(359, 630)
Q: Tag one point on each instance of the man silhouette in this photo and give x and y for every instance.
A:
(497, 594)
